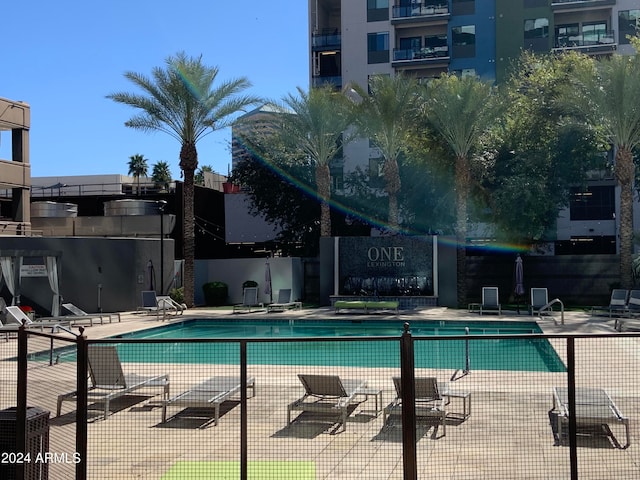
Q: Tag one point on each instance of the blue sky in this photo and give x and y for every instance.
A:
(64, 57)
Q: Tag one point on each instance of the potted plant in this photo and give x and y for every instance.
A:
(215, 293)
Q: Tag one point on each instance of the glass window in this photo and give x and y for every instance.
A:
(377, 10)
(536, 28)
(628, 24)
(593, 32)
(464, 35)
(595, 203)
(378, 47)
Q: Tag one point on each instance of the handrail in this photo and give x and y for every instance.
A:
(550, 304)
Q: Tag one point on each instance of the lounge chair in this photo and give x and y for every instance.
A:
(617, 303)
(7, 329)
(490, 300)
(209, 394)
(331, 394)
(108, 380)
(15, 316)
(593, 406)
(429, 401)
(168, 303)
(284, 301)
(156, 304)
(79, 314)
(249, 300)
(632, 311)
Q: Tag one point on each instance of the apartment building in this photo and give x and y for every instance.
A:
(15, 173)
(350, 40)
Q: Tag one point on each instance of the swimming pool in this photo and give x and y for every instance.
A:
(431, 350)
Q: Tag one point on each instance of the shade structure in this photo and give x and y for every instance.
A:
(519, 278)
(267, 281)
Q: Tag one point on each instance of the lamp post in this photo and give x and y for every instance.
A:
(161, 206)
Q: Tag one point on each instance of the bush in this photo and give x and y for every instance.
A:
(249, 283)
(215, 293)
(177, 295)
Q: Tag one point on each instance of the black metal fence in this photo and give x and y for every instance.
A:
(482, 406)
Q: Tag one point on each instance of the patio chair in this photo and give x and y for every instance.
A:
(539, 301)
(617, 303)
(109, 382)
(15, 316)
(249, 300)
(168, 303)
(329, 394)
(151, 303)
(633, 311)
(209, 394)
(593, 406)
(6, 329)
(490, 300)
(76, 314)
(284, 301)
(429, 401)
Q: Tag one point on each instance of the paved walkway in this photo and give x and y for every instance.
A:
(511, 433)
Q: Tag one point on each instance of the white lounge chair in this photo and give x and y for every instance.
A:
(249, 300)
(490, 300)
(79, 314)
(429, 401)
(15, 316)
(151, 303)
(284, 301)
(209, 394)
(593, 406)
(108, 380)
(330, 394)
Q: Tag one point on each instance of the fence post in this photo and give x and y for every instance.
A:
(408, 385)
(82, 405)
(571, 393)
(243, 410)
(21, 401)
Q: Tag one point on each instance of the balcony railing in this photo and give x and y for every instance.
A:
(420, 10)
(335, 81)
(603, 39)
(425, 53)
(573, 4)
(326, 40)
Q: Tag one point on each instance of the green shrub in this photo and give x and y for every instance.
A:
(177, 295)
(215, 293)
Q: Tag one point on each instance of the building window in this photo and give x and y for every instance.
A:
(536, 28)
(628, 24)
(378, 47)
(463, 40)
(377, 10)
(463, 7)
(595, 203)
(568, 35)
(592, 33)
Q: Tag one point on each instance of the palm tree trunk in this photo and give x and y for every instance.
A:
(323, 181)
(392, 187)
(625, 174)
(188, 163)
(462, 179)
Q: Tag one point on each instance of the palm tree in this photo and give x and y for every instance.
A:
(387, 116)
(182, 101)
(458, 112)
(161, 175)
(199, 178)
(314, 124)
(610, 95)
(137, 167)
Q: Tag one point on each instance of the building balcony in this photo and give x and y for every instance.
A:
(591, 43)
(424, 9)
(574, 5)
(326, 41)
(420, 56)
(335, 81)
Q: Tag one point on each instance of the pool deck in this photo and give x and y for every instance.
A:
(509, 434)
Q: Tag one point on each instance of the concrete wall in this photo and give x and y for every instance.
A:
(286, 272)
(119, 265)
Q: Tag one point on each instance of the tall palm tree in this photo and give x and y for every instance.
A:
(459, 111)
(387, 115)
(314, 124)
(610, 95)
(138, 168)
(161, 175)
(182, 101)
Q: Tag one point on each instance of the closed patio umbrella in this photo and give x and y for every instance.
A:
(267, 281)
(518, 289)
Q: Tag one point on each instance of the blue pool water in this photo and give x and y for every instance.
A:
(431, 351)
